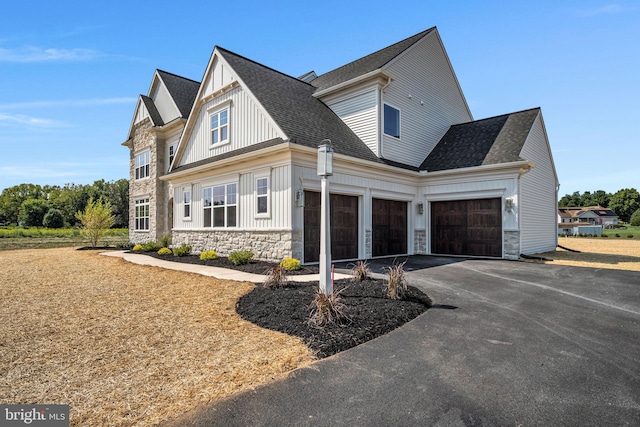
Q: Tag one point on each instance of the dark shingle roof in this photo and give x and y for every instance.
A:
(156, 118)
(482, 142)
(182, 90)
(366, 64)
(290, 102)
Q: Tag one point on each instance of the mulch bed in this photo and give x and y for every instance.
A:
(370, 313)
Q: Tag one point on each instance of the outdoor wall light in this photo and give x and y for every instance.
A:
(420, 208)
(508, 204)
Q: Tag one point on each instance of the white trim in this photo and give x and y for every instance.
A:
(464, 195)
(217, 111)
(264, 174)
(399, 137)
(146, 150)
(184, 203)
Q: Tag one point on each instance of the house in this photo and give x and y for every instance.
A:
(229, 163)
(585, 220)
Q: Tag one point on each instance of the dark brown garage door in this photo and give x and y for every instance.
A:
(344, 226)
(467, 227)
(389, 226)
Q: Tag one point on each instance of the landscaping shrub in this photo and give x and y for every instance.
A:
(630, 236)
(326, 309)
(206, 255)
(397, 282)
(276, 277)
(165, 251)
(604, 235)
(53, 219)
(165, 241)
(241, 257)
(151, 247)
(360, 271)
(182, 250)
(138, 248)
(290, 264)
(635, 218)
(617, 235)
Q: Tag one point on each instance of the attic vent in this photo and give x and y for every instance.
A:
(308, 77)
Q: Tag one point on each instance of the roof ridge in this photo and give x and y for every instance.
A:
(498, 116)
(177, 75)
(260, 64)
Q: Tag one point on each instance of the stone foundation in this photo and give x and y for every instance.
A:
(270, 245)
(420, 242)
(512, 245)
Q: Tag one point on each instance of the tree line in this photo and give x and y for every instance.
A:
(56, 206)
(625, 203)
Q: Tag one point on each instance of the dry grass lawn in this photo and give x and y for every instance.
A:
(124, 344)
(619, 254)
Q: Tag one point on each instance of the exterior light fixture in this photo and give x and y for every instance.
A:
(420, 208)
(325, 169)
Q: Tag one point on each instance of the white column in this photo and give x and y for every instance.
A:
(326, 286)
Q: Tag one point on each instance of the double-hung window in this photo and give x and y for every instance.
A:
(262, 196)
(172, 153)
(220, 126)
(142, 164)
(391, 121)
(186, 198)
(141, 216)
(220, 205)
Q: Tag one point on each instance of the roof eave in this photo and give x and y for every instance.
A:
(521, 166)
(353, 82)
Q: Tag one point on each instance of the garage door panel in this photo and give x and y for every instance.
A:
(467, 227)
(389, 227)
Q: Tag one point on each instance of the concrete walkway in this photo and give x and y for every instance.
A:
(217, 272)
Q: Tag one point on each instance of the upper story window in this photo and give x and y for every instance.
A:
(391, 121)
(220, 206)
(172, 153)
(220, 126)
(262, 194)
(142, 164)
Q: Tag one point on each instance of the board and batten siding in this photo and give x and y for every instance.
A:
(248, 125)
(426, 91)
(538, 195)
(280, 199)
(141, 113)
(359, 110)
(164, 103)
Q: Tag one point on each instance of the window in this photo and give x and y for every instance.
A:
(186, 197)
(220, 203)
(142, 164)
(262, 193)
(141, 216)
(220, 126)
(391, 121)
(172, 153)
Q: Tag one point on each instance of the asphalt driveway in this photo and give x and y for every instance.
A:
(507, 343)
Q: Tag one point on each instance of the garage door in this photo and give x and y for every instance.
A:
(467, 227)
(344, 226)
(389, 227)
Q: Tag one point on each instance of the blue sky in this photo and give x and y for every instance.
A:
(71, 71)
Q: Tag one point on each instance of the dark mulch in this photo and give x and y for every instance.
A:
(287, 309)
(370, 313)
(256, 267)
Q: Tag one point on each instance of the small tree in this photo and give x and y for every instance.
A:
(96, 219)
(635, 218)
(53, 219)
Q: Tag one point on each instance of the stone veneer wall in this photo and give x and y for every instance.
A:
(512, 244)
(268, 245)
(420, 241)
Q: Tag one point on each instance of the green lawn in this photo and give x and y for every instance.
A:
(624, 234)
(42, 238)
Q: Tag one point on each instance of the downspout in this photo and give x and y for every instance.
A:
(381, 118)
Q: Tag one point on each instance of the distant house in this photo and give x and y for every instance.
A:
(229, 163)
(585, 220)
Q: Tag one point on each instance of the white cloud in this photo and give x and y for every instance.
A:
(21, 119)
(38, 54)
(608, 9)
(68, 103)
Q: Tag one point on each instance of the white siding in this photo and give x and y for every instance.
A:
(359, 111)
(164, 103)
(141, 113)
(538, 202)
(426, 91)
(280, 199)
(248, 125)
